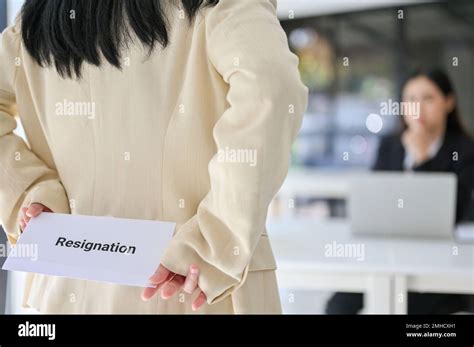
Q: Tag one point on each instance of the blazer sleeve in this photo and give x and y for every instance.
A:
(267, 100)
(24, 178)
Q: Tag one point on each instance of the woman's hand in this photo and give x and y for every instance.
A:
(170, 283)
(34, 210)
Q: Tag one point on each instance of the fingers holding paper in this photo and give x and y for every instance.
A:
(34, 210)
(170, 283)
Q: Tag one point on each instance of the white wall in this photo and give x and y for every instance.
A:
(13, 7)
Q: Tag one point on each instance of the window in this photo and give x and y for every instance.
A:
(3, 15)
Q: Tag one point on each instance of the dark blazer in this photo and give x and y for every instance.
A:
(391, 156)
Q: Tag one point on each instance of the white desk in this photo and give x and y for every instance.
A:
(389, 268)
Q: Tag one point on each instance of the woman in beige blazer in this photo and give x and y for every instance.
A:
(178, 110)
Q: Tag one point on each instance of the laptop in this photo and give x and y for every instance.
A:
(403, 204)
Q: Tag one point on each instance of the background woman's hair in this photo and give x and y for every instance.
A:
(67, 33)
(443, 82)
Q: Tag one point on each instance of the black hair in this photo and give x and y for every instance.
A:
(443, 82)
(67, 33)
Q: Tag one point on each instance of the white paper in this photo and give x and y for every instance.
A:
(48, 253)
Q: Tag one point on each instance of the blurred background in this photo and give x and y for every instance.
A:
(380, 45)
(353, 56)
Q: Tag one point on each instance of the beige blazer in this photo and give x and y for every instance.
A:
(198, 134)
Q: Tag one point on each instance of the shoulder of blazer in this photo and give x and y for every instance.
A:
(390, 154)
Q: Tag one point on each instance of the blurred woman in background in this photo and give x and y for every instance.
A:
(432, 141)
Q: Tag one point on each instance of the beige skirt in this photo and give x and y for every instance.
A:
(51, 294)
